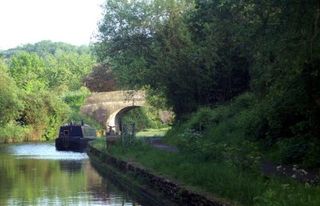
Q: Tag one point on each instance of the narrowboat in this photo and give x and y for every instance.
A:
(74, 137)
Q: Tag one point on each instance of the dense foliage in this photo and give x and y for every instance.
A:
(41, 88)
(9, 101)
(26, 185)
(101, 79)
(153, 44)
(205, 53)
(143, 118)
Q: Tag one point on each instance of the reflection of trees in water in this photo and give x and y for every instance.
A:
(6, 178)
(114, 187)
(105, 190)
(99, 188)
(29, 181)
(70, 166)
(32, 180)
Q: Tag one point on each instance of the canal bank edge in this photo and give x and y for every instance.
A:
(125, 182)
(154, 183)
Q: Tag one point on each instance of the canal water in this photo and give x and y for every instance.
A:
(37, 174)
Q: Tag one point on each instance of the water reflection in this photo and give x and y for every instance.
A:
(43, 151)
(37, 174)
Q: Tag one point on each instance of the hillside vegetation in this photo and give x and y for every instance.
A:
(199, 57)
(41, 88)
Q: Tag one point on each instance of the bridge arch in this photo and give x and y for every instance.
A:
(113, 123)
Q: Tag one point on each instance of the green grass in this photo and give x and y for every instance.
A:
(152, 132)
(219, 178)
(218, 154)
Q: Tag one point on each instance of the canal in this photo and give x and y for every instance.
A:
(37, 174)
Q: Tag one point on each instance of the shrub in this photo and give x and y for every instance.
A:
(76, 98)
(13, 132)
(44, 112)
(219, 134)
(10, 103)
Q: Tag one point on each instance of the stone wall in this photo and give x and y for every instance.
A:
(170, 189)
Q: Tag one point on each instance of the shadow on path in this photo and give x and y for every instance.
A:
(157, 142)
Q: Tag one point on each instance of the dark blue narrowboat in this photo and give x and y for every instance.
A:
(74, 137)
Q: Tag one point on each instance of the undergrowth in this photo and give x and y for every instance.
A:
(218, 178)
(220, 151)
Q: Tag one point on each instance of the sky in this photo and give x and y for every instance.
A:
(30, 21)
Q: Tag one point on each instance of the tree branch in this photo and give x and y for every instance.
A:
(316, 29)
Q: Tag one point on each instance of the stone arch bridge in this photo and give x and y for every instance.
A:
(108, 107)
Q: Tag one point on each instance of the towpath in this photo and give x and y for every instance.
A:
(267, 167)
(158, 143)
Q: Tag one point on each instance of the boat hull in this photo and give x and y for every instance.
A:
(77, 144)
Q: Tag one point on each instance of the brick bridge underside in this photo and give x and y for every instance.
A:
(108, 107)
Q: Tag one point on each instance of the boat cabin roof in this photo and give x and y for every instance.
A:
(77, 130)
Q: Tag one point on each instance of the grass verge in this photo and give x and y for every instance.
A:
(152, 132)
(220, 153)
(218, 178)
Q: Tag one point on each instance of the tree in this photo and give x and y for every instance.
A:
(10, 103)
(286, 69)
(45, 73)
(67, 68)
(100, 79)
(45, 48)
(27, 69)
(156, 45)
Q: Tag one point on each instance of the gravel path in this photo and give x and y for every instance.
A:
(157, 142)
(291, 171)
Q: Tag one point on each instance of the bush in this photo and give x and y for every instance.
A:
(76, 98)
(300, 151)
(44, 112)
(13, 133)
(10, 103)
(75, 116)
(144, 118)
(219, 134)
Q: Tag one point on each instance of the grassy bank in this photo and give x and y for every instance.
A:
(128, 183)
(152, 132)
(218, 154)
(218, 177)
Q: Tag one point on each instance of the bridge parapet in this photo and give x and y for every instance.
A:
(116, 96)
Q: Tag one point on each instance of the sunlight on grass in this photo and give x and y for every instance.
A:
(219, 178)
(152, 132)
